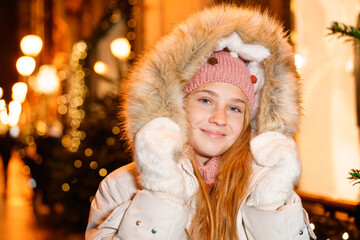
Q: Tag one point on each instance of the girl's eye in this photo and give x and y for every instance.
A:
(204, 100)
(235, 109)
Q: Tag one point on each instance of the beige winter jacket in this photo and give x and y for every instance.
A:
(154, 89)
(122, 209)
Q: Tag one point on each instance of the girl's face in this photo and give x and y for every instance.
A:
(216, 115)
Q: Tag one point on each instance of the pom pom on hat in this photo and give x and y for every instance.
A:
(225, 66)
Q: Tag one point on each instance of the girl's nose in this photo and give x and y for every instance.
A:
(218, 117)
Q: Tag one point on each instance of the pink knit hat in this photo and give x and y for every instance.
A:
(223, 67)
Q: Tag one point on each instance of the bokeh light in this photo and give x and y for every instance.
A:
(2, 105)
(102, 172)
(31, 45)
(25, 65)
(14, 113)
(19, 91)
(120, 48)
(14, 131)
(65, 187)
(345, 236)
(88, 152)
(94, 165)
(115, 130)
(100, 68)
(26, 170)
(47, 79)
(77, 163)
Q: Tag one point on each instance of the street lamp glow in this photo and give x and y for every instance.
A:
(19, 91)
(2, 105)
(31, 45)
(14, 108)
(120, 48)
(1, 92)
(4, 117)
(13, 120)
(100, 68)
(14, 113)
(25, 65)
(47, 79)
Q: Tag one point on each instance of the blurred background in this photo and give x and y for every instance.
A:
(62, 63)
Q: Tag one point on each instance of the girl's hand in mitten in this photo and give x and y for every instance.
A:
(280, 154)
(158, 156)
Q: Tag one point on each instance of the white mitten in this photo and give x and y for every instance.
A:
(279, 153)
(159, 158)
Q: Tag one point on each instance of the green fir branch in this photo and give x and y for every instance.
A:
(345, 30)
(354, 176)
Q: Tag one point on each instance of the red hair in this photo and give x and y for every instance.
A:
(216, 212)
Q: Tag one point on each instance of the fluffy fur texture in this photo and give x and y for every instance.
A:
(155, 85)
(158, 157)
(275, 150)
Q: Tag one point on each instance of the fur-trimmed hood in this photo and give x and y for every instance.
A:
(155, 85)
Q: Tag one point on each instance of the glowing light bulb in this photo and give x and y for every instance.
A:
(65, 187)
(25, 65)
(15, 107)
(47, 79)
(4, 118)
(31, 45)
(14, 113)
(81, 46)
(120, 48)
(19, 90)
(2, 105)
(88, 152)
(102, 172)
(100, 68)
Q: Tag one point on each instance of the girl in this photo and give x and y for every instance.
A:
(209, 114)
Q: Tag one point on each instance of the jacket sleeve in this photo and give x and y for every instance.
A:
(288, 222)
(145, 216)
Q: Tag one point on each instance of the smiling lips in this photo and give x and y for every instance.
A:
(213, 134)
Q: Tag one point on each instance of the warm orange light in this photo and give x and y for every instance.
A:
(47, 79)
(41, 127)
(120, 48)
(1, 92)
(102, 172)
(19, 91)
(15, 107)
(2, 105)
(14, 113)
(31, 45)
(25, 65)
(4, 118)
(100, 68)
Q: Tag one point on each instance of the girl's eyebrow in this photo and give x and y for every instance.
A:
(237, 100)
(208, 91)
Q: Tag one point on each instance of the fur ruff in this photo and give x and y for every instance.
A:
(155, 84)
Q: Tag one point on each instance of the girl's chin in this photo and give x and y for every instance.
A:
(207, 154)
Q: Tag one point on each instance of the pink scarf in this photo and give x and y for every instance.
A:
(208, 171)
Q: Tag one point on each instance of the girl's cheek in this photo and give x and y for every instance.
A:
(195, 114)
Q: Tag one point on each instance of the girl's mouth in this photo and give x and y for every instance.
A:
(213, 134)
